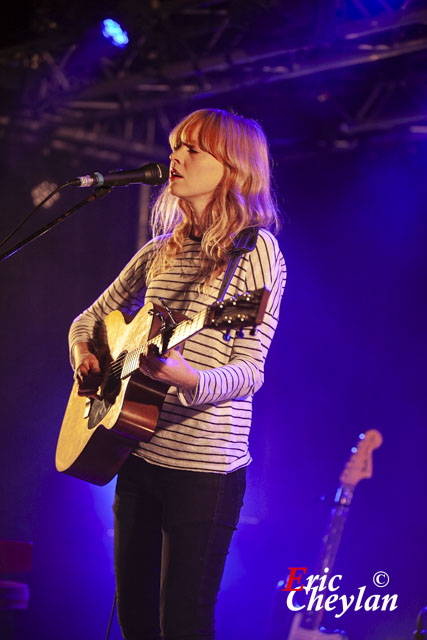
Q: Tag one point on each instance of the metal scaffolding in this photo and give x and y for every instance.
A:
(354, 71)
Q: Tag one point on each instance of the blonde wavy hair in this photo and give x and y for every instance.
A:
(242, 199)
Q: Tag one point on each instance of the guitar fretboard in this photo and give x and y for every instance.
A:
(178, 334)
(330, 543)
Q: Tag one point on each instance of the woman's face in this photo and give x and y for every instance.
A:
(194, 175)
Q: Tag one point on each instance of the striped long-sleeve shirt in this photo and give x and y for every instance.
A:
(205, 429)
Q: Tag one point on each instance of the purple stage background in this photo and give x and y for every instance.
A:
(349, 355)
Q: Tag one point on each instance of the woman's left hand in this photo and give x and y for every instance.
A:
(171, 368)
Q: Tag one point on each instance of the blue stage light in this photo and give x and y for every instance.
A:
(113, 31)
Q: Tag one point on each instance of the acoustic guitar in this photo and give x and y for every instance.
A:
(99, 433)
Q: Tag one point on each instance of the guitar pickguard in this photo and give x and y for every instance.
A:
(97, 412)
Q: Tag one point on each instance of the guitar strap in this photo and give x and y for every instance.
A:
(244, 242)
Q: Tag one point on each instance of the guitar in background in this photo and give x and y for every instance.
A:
(306, 625)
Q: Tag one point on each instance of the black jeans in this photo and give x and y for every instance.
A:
(172, 532)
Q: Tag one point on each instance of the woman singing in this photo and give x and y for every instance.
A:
(178, 497)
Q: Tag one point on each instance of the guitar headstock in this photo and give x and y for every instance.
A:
(245, 310)
(359, 465)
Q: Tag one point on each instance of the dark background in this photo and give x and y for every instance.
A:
(349, 355)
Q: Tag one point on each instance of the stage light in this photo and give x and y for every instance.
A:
(113, 32)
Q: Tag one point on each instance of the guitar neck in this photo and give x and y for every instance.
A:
(334, 528)
(330, 543)
(243, 310)
(358, 466)
(166, 340)
(184, 330)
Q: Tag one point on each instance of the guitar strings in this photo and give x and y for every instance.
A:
(115, 368)
(157, 341)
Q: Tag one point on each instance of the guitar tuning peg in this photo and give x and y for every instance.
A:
(253, 331)
(226, 335)
(240, 333)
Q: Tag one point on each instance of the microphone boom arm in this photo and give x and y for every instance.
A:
(98, 193)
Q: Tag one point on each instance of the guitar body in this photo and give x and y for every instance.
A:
(97, 436)
(297, 632)
(302, 625)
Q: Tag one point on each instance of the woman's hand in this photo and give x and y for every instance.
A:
(171, 368)
(87, 372)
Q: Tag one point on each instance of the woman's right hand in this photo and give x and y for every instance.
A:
(87, 372)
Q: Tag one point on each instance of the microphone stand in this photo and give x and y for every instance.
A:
(98, 193)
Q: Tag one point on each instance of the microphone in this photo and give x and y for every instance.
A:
(152, 173)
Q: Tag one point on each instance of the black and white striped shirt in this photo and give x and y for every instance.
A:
(206, 429)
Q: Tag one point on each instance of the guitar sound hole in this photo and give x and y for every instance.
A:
(112, 386)
(109, 391)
